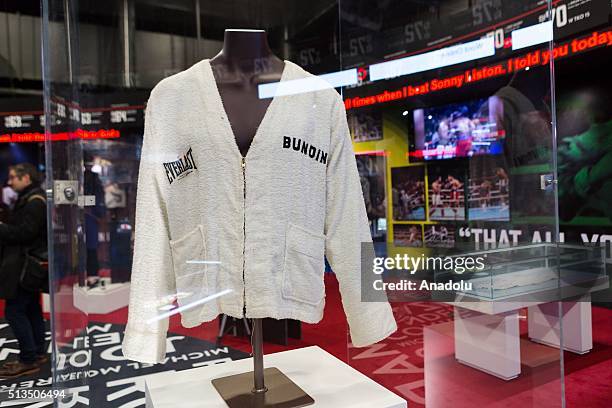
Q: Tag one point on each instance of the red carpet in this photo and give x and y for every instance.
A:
(398, 362)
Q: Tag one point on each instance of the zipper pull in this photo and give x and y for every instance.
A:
(243, 163)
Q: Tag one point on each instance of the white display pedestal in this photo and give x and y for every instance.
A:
(331, 382)
(544, 325)
(102, 300)
(490, 343)
(487, 335)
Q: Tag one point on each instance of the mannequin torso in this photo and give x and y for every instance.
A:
(245, 62)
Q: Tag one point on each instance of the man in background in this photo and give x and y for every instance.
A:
(4, 208)
(9, 196)
(25, 230)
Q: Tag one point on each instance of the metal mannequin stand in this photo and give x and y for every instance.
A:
(261, 388)
(224, 328)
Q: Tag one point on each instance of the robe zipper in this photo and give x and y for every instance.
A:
(243, 164)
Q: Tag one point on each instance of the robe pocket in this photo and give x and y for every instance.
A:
(304, 265)
(190, 268)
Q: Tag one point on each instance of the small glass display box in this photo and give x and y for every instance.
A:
(536, 272)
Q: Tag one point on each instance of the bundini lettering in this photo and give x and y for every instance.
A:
(305, 148)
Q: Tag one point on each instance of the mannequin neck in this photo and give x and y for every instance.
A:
(242, 47)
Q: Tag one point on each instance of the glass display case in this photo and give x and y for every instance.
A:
(444, 118)
(535, 272)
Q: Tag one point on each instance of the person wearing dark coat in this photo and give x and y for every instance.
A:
(25, 230)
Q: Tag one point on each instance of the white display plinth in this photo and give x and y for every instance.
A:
(544, 325)
(102, 300)
(331, 382)
(490, 343)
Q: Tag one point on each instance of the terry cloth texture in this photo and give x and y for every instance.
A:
(210, 220)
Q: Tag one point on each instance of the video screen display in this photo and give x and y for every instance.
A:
(459, 130)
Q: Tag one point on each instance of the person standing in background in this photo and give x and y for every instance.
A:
(4, 207)
(9, 196)
(25, 230)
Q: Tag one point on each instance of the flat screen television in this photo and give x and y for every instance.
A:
(464, 129)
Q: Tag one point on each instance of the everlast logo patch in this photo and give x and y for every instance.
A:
(307, 150)
(180, 168)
